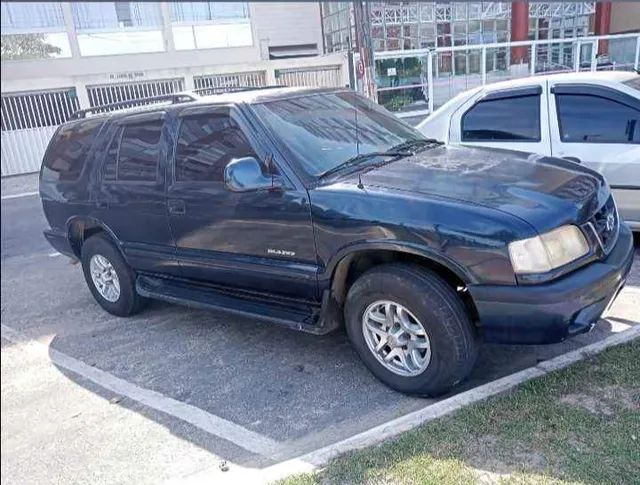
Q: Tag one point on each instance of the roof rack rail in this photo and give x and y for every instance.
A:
(174, 98)
(234, 89)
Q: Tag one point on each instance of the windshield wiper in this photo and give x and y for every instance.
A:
(410, 144)
(363, 158)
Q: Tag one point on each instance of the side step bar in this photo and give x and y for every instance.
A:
(291, 314)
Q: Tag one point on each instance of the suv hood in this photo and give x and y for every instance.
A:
(545, 192)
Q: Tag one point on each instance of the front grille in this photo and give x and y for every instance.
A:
(605, 223)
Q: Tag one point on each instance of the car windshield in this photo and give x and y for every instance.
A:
(319, 130)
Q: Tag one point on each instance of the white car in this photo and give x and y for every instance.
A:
(591, 118)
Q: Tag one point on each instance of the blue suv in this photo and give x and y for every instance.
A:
(316, 208)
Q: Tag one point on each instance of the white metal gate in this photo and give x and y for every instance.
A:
(220, 83)
(118, 92)
(28, 121)
(326, 76)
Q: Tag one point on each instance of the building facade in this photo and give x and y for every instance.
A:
(419, 25)
(58, 57)
(446, 27)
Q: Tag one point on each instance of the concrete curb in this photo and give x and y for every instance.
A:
(18, 196)
(314, 460)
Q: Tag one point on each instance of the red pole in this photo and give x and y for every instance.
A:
(519, 30)
(602, 24)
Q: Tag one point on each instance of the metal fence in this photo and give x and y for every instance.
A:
(114, 93)
(325, 76)
(220, 83)
(415, 82)
(28, 121)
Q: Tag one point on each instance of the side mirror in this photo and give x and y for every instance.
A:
(247, 175)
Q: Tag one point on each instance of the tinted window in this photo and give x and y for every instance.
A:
(70, 147)
(110, 165)
(323, 130)
(206, 144)
(139, 151)
(506, 119)
(593, 119)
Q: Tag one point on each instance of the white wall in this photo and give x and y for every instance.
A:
(57, 78)
(280, 23)
(284, 24)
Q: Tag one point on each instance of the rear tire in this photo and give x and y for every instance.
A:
(110, 279)
(434, 340)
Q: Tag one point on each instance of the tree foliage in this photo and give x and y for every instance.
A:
(26, 46)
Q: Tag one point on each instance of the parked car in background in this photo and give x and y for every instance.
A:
(589, 118)
(317, 208)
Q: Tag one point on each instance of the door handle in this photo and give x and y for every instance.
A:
(573, 159)
(176, 206)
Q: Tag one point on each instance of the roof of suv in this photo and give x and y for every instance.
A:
(249, 97)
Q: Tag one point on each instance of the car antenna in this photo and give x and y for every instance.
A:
(270, 167)
(360, 185)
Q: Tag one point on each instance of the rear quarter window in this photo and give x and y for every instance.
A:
(68, 150)
(509, 119)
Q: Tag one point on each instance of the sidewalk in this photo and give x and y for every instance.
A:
(19, 184)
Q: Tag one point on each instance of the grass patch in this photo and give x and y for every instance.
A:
(576, 425)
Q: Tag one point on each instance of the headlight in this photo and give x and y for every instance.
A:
(548, 251)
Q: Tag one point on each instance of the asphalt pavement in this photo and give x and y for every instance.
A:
(92, 398)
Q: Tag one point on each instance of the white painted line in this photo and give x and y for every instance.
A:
(311, 461)
(227, 430)
(318, 458)
(17, 196)
(55, 254)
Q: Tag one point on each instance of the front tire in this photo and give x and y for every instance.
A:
(110, 279)
(410, 329)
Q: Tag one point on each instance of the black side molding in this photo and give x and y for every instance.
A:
(287, 313)
(512, 93)
(599, 91)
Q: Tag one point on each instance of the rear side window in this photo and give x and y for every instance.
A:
(69, 149)
(134, 153)
(139, 152)
(515, 119)
(206, 144)
(585, 118)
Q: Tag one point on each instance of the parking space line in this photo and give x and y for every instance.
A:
(212, 424)
(313, 460)
(17, 196)
(278, 452)
(320, 457)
